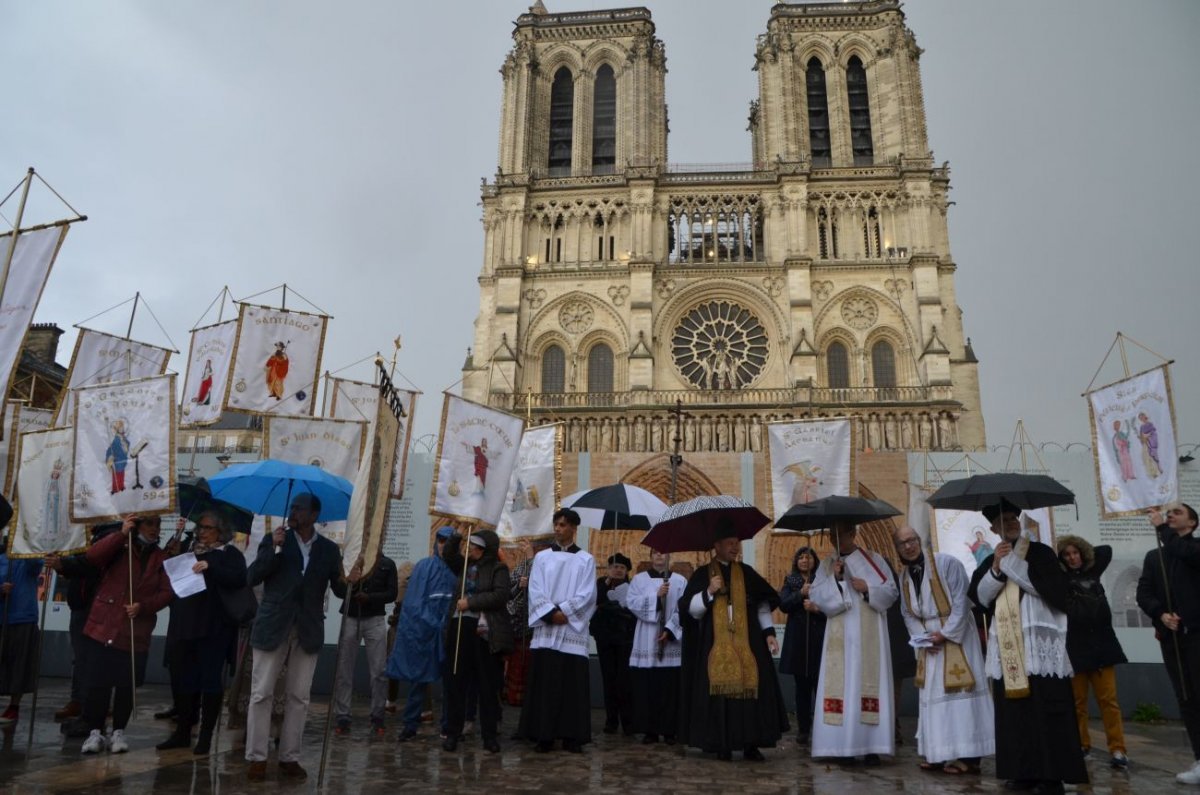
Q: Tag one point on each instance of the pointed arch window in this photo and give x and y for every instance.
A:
(837, 366)
(562, 122)
(860, 113)
(604, 121)
(554, 370)
(600, 368)
(818, 114)
(883, 365)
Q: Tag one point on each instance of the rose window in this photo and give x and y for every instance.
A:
(719, 345)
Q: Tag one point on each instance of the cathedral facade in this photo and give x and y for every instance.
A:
(626, 296)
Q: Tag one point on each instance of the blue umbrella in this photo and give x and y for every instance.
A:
(267, 488)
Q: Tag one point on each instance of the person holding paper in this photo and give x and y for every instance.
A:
(201, 637)
(955, 727)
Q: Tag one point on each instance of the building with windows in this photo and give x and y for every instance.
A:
(814, 280)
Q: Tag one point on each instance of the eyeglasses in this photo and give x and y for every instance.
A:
(908, 542)
(207, 527)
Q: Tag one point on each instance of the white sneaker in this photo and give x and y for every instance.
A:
(1191, 775)
(94, 743)
(118, 744)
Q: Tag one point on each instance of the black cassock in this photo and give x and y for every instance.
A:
(1037, 738)
(719, 723)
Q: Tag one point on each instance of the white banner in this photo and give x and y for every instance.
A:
(44, 496)
(968, 536)
(918, 511)
(372, 487)
(357, 400)
(33, 257)
(207, 379)
(276, 361)
(533, 490)
(18, 419)
(124, 450)
(477, 452)
(101, 358)
(808, 460)
(1133, 441)
(333, 445)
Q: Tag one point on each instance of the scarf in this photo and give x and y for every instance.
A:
(833, 706)
(732, 669)
(956, 671)
(1008, 633)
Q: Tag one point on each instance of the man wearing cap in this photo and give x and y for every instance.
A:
(419, 653)
(854, 589)
(1169, 592)
(653, 598)
(729, 695)
(1024, 591)
(562, 599)
(612, 626)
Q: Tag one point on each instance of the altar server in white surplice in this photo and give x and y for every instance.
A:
(957, 722)
(653, 598)
(854, 589)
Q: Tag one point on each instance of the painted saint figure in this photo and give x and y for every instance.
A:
(1120, 442)
(981, 549)
(1148, 436)
(480, 452)
(117, 456)
(51, 531)
(204, 392)
(806, 480)
(277, 370)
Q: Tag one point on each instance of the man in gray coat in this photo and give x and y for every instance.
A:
(294, 565)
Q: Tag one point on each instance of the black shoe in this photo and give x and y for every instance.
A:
(180, 738)
(752, 754)
(203, 743)
(630, 733)
(1049, 788)
(405, 735)
(167, 714)
(872, 760)
(650, 739)
(492, 746)
(610, 728)
(450, 744)
(725, 756)
(544, 747)
(1019, 784)
(669, 739)
(572, 747)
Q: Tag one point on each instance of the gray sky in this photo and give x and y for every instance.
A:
(338, 147)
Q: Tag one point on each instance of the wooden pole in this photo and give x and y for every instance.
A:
(337, 660)
(41, 633)
(462, 594)
(132, 653)
(12, 244)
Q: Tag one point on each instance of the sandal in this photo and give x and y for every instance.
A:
(957, 767)
(932, 766)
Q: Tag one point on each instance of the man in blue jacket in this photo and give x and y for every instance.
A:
(295, 564)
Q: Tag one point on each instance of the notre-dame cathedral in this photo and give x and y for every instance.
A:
(814, 280)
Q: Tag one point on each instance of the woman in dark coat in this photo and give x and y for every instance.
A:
(201, 637)
(803, 637)
(1092, 644)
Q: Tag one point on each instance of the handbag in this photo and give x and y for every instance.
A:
(239, 604)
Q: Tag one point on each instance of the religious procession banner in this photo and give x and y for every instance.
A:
(124, 458)
(372, 486)
(1133, 443)
(333, 445)
(276, 361)
(356, 400)
(477, 452)
(968, 536)
(33, 257)
(808, 460)
(101, 358)
(18, 419)
(43, 521)
(535, 485)
(207, 379)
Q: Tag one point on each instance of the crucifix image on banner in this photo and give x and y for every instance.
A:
(18, 419)
(276, 361)
(535, 486)
(33, 257)
(43, 521)
(209, 360)
(124, 450)
(808, 460)
(477, 452)
(101, 358)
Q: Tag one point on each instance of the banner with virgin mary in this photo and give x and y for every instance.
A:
(43, 520)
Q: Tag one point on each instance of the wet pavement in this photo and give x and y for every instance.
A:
(613, 763)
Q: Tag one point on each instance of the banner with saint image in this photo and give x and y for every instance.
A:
(18, 419)
(357, 400)
(477, 452)
(276, 361)
(333, 445)
(808, 460)
(43, 520)
(33, 257)
(968, 536)
(101, 358)
(124, 450)
(535, 485)
(209, 359)
(1133, 443)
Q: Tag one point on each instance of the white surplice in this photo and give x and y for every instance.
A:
(642, 601)
(567, 581)
(840, 602)
(951, 725)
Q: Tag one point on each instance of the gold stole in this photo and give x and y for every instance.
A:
(1008, 633)
(732, 669)
(834, 661)
(956, 671)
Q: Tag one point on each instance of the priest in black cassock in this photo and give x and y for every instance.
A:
(729, 696)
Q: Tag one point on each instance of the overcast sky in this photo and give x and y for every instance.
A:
(338, 147)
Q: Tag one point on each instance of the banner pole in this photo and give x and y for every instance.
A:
(41, 633)
(462, 594)
(12, 244)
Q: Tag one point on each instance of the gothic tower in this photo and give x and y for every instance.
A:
(815, 280)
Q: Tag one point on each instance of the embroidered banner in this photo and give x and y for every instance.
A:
(808, 460)
(101, 358)
(209, 359)
(477, 452)
(535, 485)
(333, 445)
(968, 536)
(1133, 443)
(276, 360)
(18, 419)
(124, 458)
(356, 400)
(366, 523)
(43, 521)
(33, 257)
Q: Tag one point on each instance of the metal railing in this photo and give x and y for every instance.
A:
(816, 396)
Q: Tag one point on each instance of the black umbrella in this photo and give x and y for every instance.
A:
(823, 513)
(195, 498)
(690, 526)
(981, 491)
